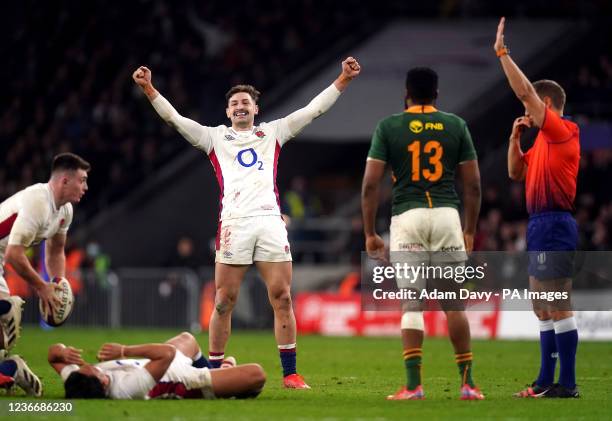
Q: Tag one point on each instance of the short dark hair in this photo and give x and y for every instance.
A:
(82, 386)
(69, 161)
(249, 89)
(421, 85)
(551, 89)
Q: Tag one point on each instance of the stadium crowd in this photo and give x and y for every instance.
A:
(75, 94)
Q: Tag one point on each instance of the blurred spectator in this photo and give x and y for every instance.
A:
(185, 256)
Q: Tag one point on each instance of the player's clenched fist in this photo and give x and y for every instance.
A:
(375, 246)
(142, 76)
(110, 351)
(350, 67)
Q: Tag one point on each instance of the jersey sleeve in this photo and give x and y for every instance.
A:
(379, 148)
(131, 384)
(554, 128)
(198, 135)
(467, 152)
(281, 130)
(67, 220)
(68, 370)
(30, 219)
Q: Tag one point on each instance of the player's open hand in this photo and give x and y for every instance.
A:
(50, 300)
(519, 126)
(375, 246)
(110, 351)
(499, 39)
(142, 76)
(72, 355)
(350, 68)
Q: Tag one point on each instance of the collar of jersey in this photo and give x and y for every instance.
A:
(421, 109)
(51, 199)
(243, 132)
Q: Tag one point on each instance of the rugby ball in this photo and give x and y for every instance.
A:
(61, 313)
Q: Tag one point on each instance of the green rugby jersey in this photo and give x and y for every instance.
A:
(423, 146)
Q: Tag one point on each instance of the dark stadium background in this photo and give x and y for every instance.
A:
(66, 86)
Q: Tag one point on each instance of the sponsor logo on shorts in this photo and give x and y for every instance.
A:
(227, 254)
(451, 248)
(411, 246)
(267, 207)
(542, 261)
(286, 249)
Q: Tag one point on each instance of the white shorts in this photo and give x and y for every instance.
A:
(181, 371)
(242, 241)
(429, 236)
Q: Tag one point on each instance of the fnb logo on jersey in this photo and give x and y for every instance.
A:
(416, 126)
(434, 126)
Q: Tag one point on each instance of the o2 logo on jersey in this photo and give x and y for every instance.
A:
(248, 157)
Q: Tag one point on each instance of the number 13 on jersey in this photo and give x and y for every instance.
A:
(433, 149)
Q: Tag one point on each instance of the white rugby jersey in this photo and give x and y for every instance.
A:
(128, 378)
(245, 162)
(30, 216)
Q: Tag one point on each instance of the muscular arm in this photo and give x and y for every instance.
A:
(519, 83)
(470, 177)
(517, 167)
(59, 356)
(55, 257)
(161, 355)
(370, 188)
(516, 164)
(16, 256)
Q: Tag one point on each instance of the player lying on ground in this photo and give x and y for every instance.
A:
(41, 211)
(250, 229)
(550, 170)
(174, 369)
(425, 148)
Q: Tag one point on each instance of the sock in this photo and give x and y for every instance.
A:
(215, 359)
(288, 355)
(464, 362)
(5, 307)
(8, 368)
(412, 361)
(566, 336)
(199, 361)
(548, 354)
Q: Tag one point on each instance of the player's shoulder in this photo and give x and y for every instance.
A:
(35, 195)
(452, 118)
(393, 120)
(67, 209)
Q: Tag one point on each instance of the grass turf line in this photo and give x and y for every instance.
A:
(350, 378)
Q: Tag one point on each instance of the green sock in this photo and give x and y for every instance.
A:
(412, 360)
(464, 362)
